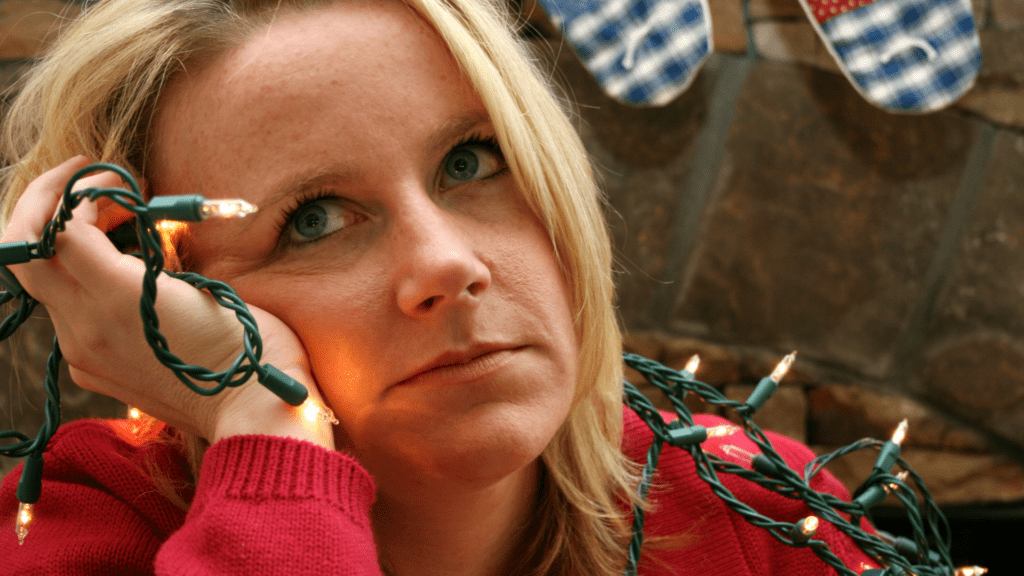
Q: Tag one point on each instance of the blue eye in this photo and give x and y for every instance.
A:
(471, 161)
(462, 164)
(317, 219)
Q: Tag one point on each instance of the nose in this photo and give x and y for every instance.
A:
(439, 268)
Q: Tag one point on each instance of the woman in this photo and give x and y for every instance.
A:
(429, 259)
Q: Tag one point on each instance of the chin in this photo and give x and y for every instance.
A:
(474, 450)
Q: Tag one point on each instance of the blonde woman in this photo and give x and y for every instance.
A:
(429, 259)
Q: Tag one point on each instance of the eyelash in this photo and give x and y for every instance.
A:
(489, 143)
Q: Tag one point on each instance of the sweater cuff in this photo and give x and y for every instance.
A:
(258, 467)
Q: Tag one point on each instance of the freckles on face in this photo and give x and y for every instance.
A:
(391, 237)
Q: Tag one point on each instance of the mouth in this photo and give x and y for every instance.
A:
(463, 366)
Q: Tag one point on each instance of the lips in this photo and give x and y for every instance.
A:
(463, 366)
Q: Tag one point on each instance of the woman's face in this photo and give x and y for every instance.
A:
(391, 237)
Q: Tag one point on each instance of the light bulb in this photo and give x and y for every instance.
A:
(805, 530)
(226, 209)
(901, 432)
(25, 516)
(134, 413)
(783, 367)
(971, 571)
(313, 411)
(692, 364)
(720, 431)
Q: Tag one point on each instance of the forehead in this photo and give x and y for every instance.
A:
(375, 73)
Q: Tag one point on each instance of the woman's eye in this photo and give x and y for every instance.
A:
(470, 162)
(317, 219)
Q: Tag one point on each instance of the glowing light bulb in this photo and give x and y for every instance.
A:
(805, 529)
(971, 571)
(313, 411)
(692, 364)
(783, 367)
(902, 477)
(25, 516)
(226, 209)
(901, 433)
(720, 431)
(134, 413)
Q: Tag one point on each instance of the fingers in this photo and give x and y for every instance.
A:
(38, 203)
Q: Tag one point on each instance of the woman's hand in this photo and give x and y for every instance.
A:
(92, 293)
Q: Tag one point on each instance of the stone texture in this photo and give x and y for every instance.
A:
(981, 380)
(785, 411)
(841, 415)
(985, 287)
(641, 159)
(952, 479)
(975, 363)
(787, 41)
(1000, 104)
(27, 25)
(827, 222)
(774, 9)
(1007, 14)
(728, 31)
(998, 94)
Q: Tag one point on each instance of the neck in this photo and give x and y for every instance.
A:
(455, 529)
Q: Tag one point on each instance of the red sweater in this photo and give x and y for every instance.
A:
(267, 505)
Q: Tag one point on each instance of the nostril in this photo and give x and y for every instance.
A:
(427, 304)
(475, 288)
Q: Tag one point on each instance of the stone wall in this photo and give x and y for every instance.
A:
(770, 208)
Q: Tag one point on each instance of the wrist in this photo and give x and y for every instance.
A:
(266, 414)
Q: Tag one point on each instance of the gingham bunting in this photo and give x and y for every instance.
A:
(911, 56)
(642, 52)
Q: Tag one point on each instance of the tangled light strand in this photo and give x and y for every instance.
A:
(899, 556)
(182, 208)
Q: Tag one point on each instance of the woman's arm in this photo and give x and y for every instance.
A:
(263, 505)
(92, 291)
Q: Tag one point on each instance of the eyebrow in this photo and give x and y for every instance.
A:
(441, 137)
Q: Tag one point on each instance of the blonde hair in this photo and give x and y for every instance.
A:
(96, 91)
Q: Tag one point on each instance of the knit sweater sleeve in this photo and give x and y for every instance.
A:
(263, 505)
(268, 505)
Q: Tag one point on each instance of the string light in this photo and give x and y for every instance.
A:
(783, 367)
(767, 386)
(153, 245)
(226, 209)
(805, 530)
(757, 462)
(195, 208)
(691, 365)
(770, 471)
(971, 571)
(890, 451)
(313, 411)
(25, 517)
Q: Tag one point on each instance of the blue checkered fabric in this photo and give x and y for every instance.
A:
(910, 56)
(642, 52)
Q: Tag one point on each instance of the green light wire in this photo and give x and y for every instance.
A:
(786, 482)
(150, 243)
